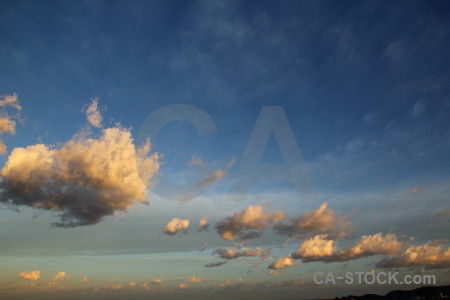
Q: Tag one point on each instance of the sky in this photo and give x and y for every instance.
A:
(202, 149)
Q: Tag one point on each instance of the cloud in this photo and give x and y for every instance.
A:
(59, 276)
(231, 163)
(370, 245)
(211, 178)
(84, 180)
(442, 213)
(194, 279)
(175, 226)
(203, 224)
(431, 255)
(321, 221)
(216, 264)
(7, 124)
(230, 253)
(156, 281)
(320, 249)
(252, 217)
(274, 273)
(183, 286)
(93, 115)
(195, 161)
(415, 190)
(33, 275)
(282, 263)
(84, 279)
(315, 247)
(10, 100)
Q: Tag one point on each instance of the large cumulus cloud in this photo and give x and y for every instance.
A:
(84, 180)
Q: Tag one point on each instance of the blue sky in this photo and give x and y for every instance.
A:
(363, 86)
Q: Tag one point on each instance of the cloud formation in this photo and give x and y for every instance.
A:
(282, 263)
(58, 276)
(175, 226)
(203, 224)
(84, 180)
(33, 275)
(230, 253)
(194, 279)
(252, 218)
(216, 264)
(212, 177)
(84, 279)
(315, 248)
(93, 115)
(431, 255)
(7, 123)
(370, 245)
(321, 221)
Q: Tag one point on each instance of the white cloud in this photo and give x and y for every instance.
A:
(212, 177)
(230, 253)
(84, 180)
(203, 224)
(315, 247)
(430, 255)
(33, 275)
(282, 263)
(252, 217)
(175, 226)
(93, 115)
(321, 221)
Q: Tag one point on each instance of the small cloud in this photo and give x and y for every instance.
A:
(84, 279)
(315, 247)
(132, 284)
(252, 218)
(230, 253)
(175, 226)
(211, 178)
(217, 264)
(442, 213)
(203, 224)
(282, 263)
(59, 276)
(231, 163)
(195, 161)
(183, 286)
(93, 115)
(321, 221)
(274, 272)
(33, 275)
(10, 100)
(156, 281)
(194, 279)
(416, 190)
